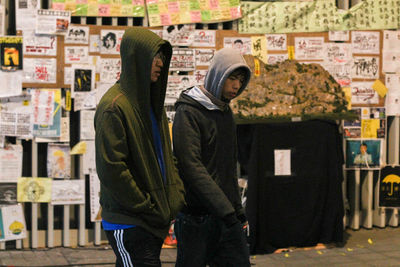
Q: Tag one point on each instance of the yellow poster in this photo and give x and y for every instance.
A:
(369, 128)
(259, 48)
(34, 189)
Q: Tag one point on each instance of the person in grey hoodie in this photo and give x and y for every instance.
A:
(209, 229)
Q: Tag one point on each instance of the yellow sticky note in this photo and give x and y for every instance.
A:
(380, 88)
(287, 255)
(347, 95)
(290, 50)
(370, 241)
(79, 148)
(319, 252)
(259, 47)
(257, 69)
(349, 249)
(68, 100)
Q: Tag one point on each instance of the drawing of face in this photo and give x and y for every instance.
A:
(109, 40)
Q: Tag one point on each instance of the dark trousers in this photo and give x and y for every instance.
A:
(135, 247)
(206, 240)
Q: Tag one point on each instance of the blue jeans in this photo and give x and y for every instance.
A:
(135, 247)
(206, 240)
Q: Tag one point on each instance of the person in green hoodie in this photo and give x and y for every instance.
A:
(209, 230)
(140, 189)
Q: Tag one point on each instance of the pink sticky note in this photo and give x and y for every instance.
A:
(173, 7)
(104, 10)
(195, 16)
(165, 19)
(235, 12)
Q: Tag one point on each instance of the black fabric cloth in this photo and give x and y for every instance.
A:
(207, 241)
(302, 209)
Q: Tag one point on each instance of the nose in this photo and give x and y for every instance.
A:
(159, 62)
(236, 84)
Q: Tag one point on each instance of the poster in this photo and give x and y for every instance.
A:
(52, 21)
(68, 192)
(16, 119)
(342, 36)
(39, 45)
(183, 59)
(180, 35)
(338, 53)
(54, 129)
(10, 163)
(58, 161)
(76, 54)
(25, 14)
(77, 35)
(11, 53)
(89, 158)
(34, 189)
(110, 69)
(363, 93)
(83, 78)
(309, 48)
(364, 42)
(199, 76)
(43, 106)
(391, 40)
(95, 208)
(365, 67)
(391, 61)
(275, 58)
(364, 153)
(40, 70)
(111, 41)
(276, 42)
(389, 187)
(8, 193)
(101, 8)
(243, 44)
(87, 125)
(85, 100)
(176, 84)
(204, 38)
(14, 224)
(204, 56)
(11, 83)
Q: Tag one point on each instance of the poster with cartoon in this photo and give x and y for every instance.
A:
(34, 189)
(77, 35)
(179, 35)
(83, 79)
(8, 193)
(58, 161)
(365, 67)
(243, 44)
(110, 41)
(365, 42)
(365, 153)
(11, 53)
(14, 224)
(68, 192)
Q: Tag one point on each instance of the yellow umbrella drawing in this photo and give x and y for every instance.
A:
(391, 178)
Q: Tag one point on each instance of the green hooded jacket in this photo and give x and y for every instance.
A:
(132, 187)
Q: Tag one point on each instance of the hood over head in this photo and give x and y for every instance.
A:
(225, 61)
(138, 48)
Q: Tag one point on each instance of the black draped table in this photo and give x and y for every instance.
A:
(300, 209)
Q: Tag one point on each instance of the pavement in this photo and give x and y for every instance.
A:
(364, 247)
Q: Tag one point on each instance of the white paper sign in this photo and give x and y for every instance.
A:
(40, 45)
(204, 38)
(14, 226)
(43, 106)
(76, 54)
(365, 42)
(52, 21)
(282, 162)
(95, 210)
(110, 41)
(10, 163)
(87, 125)
(363, 93)
(77, 35)
(243, 44)
(276, 42)
(307, 48)
(40, 70)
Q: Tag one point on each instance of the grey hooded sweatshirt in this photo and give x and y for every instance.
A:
(204, 141)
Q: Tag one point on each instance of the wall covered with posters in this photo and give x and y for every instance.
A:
(64, 76)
